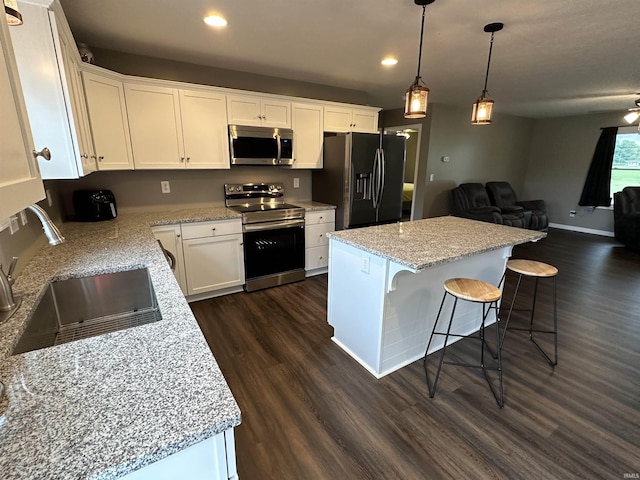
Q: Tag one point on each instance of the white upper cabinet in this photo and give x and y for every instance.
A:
(307, 121)
(108, 120)
(258, 111)
(172, 128)
(348, 119)
(20, 183)
(48, 61)
(204, 128)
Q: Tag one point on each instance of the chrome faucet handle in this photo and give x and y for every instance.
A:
(12, 267)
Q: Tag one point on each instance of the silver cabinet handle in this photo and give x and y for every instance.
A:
(213, 229)
(44, 153)
(85, 155)
(181, 159)
(100, 158)
(188, 158)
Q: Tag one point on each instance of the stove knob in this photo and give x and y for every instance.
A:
(272, 187)
(230, 188)
(279, 187)
(238, 188)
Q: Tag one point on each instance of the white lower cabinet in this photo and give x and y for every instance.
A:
(211, 459)
(317, 225)
(213, 257)
(170, 237)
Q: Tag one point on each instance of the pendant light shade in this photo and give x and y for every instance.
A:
(415, 102)
(483, 108)
(11, 10)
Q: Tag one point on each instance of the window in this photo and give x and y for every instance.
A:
(625, 170)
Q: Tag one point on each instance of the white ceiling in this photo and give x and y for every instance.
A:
(553, 57)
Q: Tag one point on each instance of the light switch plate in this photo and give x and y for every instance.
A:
(23, 217)
(13, 224)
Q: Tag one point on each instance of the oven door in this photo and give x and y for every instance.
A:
(271, 250)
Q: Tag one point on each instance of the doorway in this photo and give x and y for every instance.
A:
(412, 155)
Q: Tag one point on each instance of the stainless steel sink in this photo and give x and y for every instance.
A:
(85, 307)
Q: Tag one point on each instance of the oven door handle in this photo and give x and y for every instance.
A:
(258, 227)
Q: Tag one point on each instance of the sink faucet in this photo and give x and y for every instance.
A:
(8, 303)
(50, 230)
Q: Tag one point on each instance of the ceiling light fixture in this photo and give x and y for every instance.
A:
(415, 100)
(14, 17)
(483, 108)
(389, 61)
(634, 114)
(215, 21)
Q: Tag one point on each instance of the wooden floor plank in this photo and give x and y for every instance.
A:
(311, 412)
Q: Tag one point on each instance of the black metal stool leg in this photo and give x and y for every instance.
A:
(426, 353)
(432, 391)
(551, 362)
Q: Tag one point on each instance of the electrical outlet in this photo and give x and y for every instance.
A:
(23, 217)
(296, 183)
(164, 185)
(445, 159)
(572, 213)
(365, 264)
(13, 224)
(431, 177)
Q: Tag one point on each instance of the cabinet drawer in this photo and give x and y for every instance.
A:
(320, 216)
(210, 229)
(316, 235)
(316, 257)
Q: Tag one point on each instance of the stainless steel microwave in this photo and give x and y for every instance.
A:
(260, 145)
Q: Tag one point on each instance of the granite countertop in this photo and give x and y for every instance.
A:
(433, 241)
(311, 206)
(104, 406)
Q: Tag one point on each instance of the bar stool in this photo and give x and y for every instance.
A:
(478, 292)
(535, 270)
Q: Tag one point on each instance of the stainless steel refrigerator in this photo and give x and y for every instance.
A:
(362, 175)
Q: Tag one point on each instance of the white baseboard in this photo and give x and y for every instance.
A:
(573, 228)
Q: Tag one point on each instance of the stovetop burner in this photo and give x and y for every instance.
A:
(260, 202)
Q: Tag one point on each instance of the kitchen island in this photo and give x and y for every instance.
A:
(385, 283)
(112, 405)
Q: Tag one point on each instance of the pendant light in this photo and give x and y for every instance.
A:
(483, 107)
(11, 10)
(415, 102)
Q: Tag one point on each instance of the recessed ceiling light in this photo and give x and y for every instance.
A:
(389, 61)
(215, 21)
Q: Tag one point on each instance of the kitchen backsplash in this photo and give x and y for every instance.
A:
(141, 189)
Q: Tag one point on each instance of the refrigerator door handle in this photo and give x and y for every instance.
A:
(383, 167)
(374, 180)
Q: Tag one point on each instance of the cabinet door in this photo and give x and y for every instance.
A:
(20, 183)
(213, 263)
(307, 122)
(365, 121)
(244, 110)
(316, 235)
(48, 91)
(276, 113)
(108, 120)
(154, 123)
(204, 129)
(316, 257)
(171, 239)
(337, 119)
(68, 59)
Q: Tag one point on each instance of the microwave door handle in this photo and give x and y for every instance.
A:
(278, 141)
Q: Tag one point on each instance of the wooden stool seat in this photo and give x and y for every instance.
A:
(534, 270)
(472, 290)
(475, 291)
(531, 268)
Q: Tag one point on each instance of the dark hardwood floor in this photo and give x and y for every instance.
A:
(309, 411)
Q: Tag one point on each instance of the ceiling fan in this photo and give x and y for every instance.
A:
(634, 114)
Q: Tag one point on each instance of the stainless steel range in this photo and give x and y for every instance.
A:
(273, 234)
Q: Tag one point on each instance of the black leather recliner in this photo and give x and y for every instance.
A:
(626, 216)
(503, 196)
(470, 200)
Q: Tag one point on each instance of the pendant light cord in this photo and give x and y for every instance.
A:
(486, 77)
(421, 36)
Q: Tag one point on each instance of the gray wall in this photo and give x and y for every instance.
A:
(561, 152)
(499, 151)
(140, 189)
(130, 64)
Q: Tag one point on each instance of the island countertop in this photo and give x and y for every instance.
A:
(424, 243)
(101, 407)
